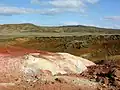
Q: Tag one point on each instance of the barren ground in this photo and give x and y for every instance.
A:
(102, 49)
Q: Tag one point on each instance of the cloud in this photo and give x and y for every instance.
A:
(78, 23)
(8, 11)
(92, 1)
(116, 26)
(113, 18)
(35, 1)
(53, 7)
(13, 10)
(66, 5)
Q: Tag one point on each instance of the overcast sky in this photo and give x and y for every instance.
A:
(101, 13)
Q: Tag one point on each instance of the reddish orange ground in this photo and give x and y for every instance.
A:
(10, 73)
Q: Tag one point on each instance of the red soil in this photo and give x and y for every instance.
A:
(18, 51)
(10, 72)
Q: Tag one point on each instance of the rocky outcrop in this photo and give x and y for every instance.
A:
(30, 63)
(56, 63)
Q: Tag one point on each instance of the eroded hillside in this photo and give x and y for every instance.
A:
(31, 28)
(93, 47)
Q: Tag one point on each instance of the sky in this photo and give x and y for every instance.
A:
(100, 13)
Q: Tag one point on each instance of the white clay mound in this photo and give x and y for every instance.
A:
(55, 63)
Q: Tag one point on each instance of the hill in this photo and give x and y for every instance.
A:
(28, 27)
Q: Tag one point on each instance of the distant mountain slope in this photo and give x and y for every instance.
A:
(28, 27)
(9, 28)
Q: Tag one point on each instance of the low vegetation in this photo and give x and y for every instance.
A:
(28, 27)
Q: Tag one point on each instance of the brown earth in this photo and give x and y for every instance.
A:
(13, 79)
(107, 73)
(103, 50)
(92, 47)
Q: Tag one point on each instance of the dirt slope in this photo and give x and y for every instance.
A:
(28, 69)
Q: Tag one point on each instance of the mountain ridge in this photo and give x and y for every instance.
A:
(29, 27)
